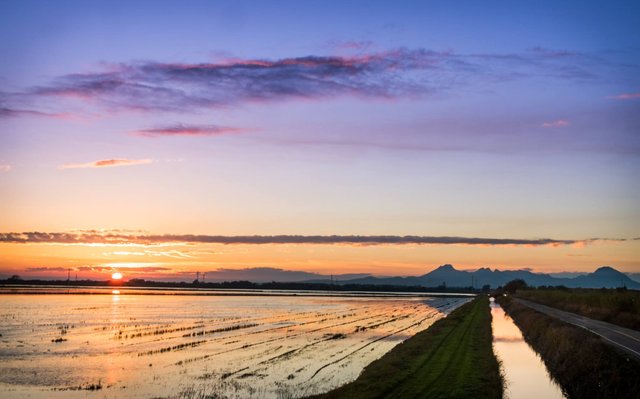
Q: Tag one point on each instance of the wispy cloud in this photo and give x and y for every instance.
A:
(13, 113)
(117, 238)
(556, 123)
(47, 269)
(398, 73)
(5, 167)
(16, 105)
(151, 253)
(180, 129)
(350, 45)
(625, 96)
(99, 268)
(107, 163)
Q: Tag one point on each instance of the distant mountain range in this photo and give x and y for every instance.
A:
(449, 276)
(269, 274)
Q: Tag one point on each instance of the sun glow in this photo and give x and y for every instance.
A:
(116, 276)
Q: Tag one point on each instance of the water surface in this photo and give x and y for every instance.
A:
(166, 346)
(526, 376)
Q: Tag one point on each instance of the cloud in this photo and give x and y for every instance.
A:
(14, 113)
(47, 269)
(556, 123)
(350, 45)
(118, 238)
(129, 268)
(165, 86)
(169, 254)
(397, 73)
(107, 163)
(16, 105)
(187, 130)
(5, 167)
(625, 96)
(553, 53)
(102, 268)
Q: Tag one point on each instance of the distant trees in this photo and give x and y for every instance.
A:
(514, 285)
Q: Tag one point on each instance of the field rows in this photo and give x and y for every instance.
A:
(236, 347)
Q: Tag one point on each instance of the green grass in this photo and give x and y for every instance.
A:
(452, 359)
(581, 363)
(619, 307)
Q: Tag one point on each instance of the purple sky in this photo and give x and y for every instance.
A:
(492, 119)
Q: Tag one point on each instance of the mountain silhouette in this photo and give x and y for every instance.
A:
(447, 275)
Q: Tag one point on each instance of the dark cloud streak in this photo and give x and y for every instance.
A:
(15, 113)
(151, 239)
(180, 129)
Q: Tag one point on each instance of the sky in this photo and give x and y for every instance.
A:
(165, 138)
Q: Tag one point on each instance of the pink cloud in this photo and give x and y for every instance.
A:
(107, 163)
(556, 123)
(188, 130)
(625, 96)
(5, 167)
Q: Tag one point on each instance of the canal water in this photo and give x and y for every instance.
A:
(526, 376)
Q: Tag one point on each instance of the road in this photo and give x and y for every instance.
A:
(623, 338)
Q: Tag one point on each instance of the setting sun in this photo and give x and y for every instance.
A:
(116, 276)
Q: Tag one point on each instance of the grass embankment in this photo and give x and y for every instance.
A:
(583, 365)
(451, 359)
(619, 307)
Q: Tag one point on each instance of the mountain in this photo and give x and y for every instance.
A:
(605, 276)
(268, 274)
(449, 276)
(634, 276)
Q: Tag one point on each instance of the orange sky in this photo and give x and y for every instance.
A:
(182, 260)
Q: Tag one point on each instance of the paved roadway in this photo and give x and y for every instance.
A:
(623, 338)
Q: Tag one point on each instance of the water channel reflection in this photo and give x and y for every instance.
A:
(526, 376)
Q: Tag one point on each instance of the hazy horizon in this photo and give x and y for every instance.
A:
(253, 274)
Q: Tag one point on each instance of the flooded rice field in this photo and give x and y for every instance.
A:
(526, 376)
(183, 346)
